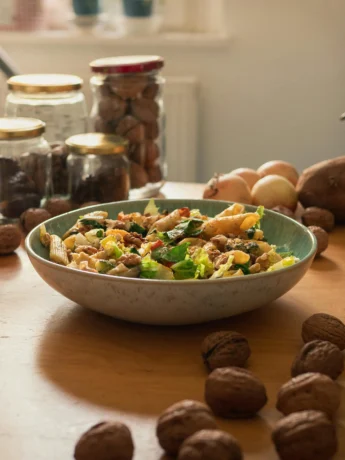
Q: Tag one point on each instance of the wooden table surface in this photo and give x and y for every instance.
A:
(64, 368)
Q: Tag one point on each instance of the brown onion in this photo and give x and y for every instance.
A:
(274, 190)
(249, 175)
(281, 168)
(228, 187)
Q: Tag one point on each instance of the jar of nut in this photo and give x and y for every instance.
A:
(56, 99)
(25, 165)
(98, 168)
(128, 101)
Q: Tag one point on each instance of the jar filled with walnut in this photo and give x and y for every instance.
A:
(128, 101)
(98, 168)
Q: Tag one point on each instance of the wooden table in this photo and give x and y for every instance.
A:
(63, 368)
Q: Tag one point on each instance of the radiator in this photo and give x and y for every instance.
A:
(181, 107)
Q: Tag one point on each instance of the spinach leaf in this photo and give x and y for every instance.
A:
(243, 267)
(175, 254)
(134, 227)
(188, 227)
(134, 251)
(251, 232)
(92, 223)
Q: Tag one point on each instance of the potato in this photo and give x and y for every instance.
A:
(323, 185)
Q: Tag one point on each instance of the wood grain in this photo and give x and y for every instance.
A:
(63, 368)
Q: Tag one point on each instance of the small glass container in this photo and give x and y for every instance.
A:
(56, 99)
(98, 168)
(128, 101)
(25, 166)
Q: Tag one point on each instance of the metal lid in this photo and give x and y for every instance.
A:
(97, 144)
(21, 128)
(127, 64)
(44, 83)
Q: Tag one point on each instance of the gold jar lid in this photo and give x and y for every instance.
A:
(97, 144)
(21, 128)
(44, 83)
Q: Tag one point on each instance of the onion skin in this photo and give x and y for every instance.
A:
(249, 175)
(274, 190)
(280, 168)
(228, 187)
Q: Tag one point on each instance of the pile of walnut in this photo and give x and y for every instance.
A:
(188, 430)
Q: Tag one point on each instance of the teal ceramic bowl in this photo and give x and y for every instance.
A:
(175, 302)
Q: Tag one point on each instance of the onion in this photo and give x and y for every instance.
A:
(274, 190)
(228, 187)
(281, 168)
(249, 175)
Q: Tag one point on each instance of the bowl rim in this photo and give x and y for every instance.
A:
(32, 253)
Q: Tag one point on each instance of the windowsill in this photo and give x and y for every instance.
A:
(87, 37)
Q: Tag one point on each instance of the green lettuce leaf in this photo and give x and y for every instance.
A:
(134, 227)
(92, 223)
(151, 208)
(287, 262)
(184, 270)
(150, 269)
(203, 262)
(223, 269)
(243, 267)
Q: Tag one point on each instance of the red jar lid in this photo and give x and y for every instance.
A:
(127, 64)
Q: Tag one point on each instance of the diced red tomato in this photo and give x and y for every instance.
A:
(157, 244)
(184, 212)
(168, 264)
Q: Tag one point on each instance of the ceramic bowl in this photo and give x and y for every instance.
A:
(175, 302)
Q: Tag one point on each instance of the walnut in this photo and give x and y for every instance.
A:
(319, 356)
(146, 110)
(33, 217)
(225, 349)
(132, 129)
(285, 211)
(321, 238)
(307, 435)
(318, 217)
(10, 238)
(180, 421)
(155, 173)
(129, 86)
(105, 441)
(130, 260)
(232, 392)
(210, 445)
(311, 391)
(111, 108)
(139, 177)
(57, 206)
(324, 327)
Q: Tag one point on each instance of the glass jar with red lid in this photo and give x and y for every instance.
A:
(128, 101)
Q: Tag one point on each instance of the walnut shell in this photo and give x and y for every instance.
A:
(311, 391)
(232, 392)
(152, 154)
(151, 130)
(307, 435)
(322, 326)
(210, 445)
(111, 108)
(132, 129)
(154, 173)
(105, 441)
(318, 217)
(180, 421)
(138, 175)
(146, 110)
(321, 238)
(319, 356)
(225, 349)
(151, 90)
(10, 238)
(33, 217)
(285, 211)
(129, 86)
(57, 206)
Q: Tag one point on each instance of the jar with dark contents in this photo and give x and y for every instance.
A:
(128, 101)
(25, 166)
(98, 168)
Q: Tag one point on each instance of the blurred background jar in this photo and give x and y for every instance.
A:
(86, 12)
(22, 15)
(25, 166)
(57, 100)
(128, 101)
(98, 168)
(141, 17)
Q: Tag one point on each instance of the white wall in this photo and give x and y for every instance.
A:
(276, 90)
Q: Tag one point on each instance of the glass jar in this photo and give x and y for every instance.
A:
(56, 99)
(128, 101)
(25, 166)
(98, 168)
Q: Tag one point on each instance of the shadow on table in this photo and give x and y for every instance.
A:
(324, 264)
